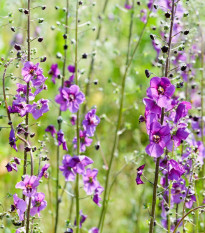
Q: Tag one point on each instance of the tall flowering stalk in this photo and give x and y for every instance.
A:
(130, 57)
(55, 74)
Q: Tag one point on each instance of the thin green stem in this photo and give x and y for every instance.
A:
(59, 121)
(128, 64)
(77, 123)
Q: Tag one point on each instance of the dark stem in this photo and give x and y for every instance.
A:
(154, 195)
(59, 122)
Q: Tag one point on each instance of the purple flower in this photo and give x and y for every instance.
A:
(90, 181)
(84, 141)
(12, 139)
(70, 98)
(70, 81)
(67, 168)
(73, 119)
(159, 139)
(71, 69)
(33, 73)
(93, 230)
(61, 139)
(39, 108)
(55, 72)
(151, 106)
(29, 185)
(128, 6)
(82, 218)
(90, 122)
(83, 161)
(182, 110)
(181, 134)
(175, 170)
(161, 90)
(139, 174)
(43, 171)
(178, 191)
(96, 197)
(21, 230)
(11, 166)
(20, 108)
(143, 13)
(20, 206)
(191, 199)
(51, 129)
(38, 204)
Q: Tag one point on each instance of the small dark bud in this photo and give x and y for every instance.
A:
(26, 12)
(60, 120)
(34, 149)
(27, 149)
(17, 47)
(167, 208)
(13, 29)
(65, 47)
(80, 2)
(40, 20)
(43, 7)
(43, 59)
(69, 230)
(175, 52)
(155, 6)
(152, 37)
(154, 28)
(18, 55)
(84, 56)
(180, 85)
(10, 123)
(40, 39)
(165, 49)
(138, 3)
(56, 7)
(171, 75)
(193, 86)
(97, 146)
(183, 68)
(195, 118)
(21, 10)
(141, 119)
(186, 32)
(32, 135)
(95, 82)
(65, 36)
(167, 15)
(147, 73)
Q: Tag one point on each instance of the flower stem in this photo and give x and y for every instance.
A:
(59, 122)
(77, 123)
(154, 195)
(128, 64)
(92, 62)
(192, 210)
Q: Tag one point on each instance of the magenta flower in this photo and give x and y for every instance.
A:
(73, 119)
(69, 163)
(12, 140)
(29, 185)
(90, 122)
(33, 73)
(90, 181)
(11, 166)
(82, 162)
(161, 90)
(70, 98)
(139, 174)
(82, 218)
(159, 139)
(20, 206)
(128, 5)
(38, 204)
(175, 170)
(21, 230)
(71, 69)
(93, 230)
(61, 140)
(180, 135)
(182, 110)
(84, 141)
(96, 197)
(151, 106)
(43, 171)
(20, 108)
(55, 72)
(51, 129)
(39, 108)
